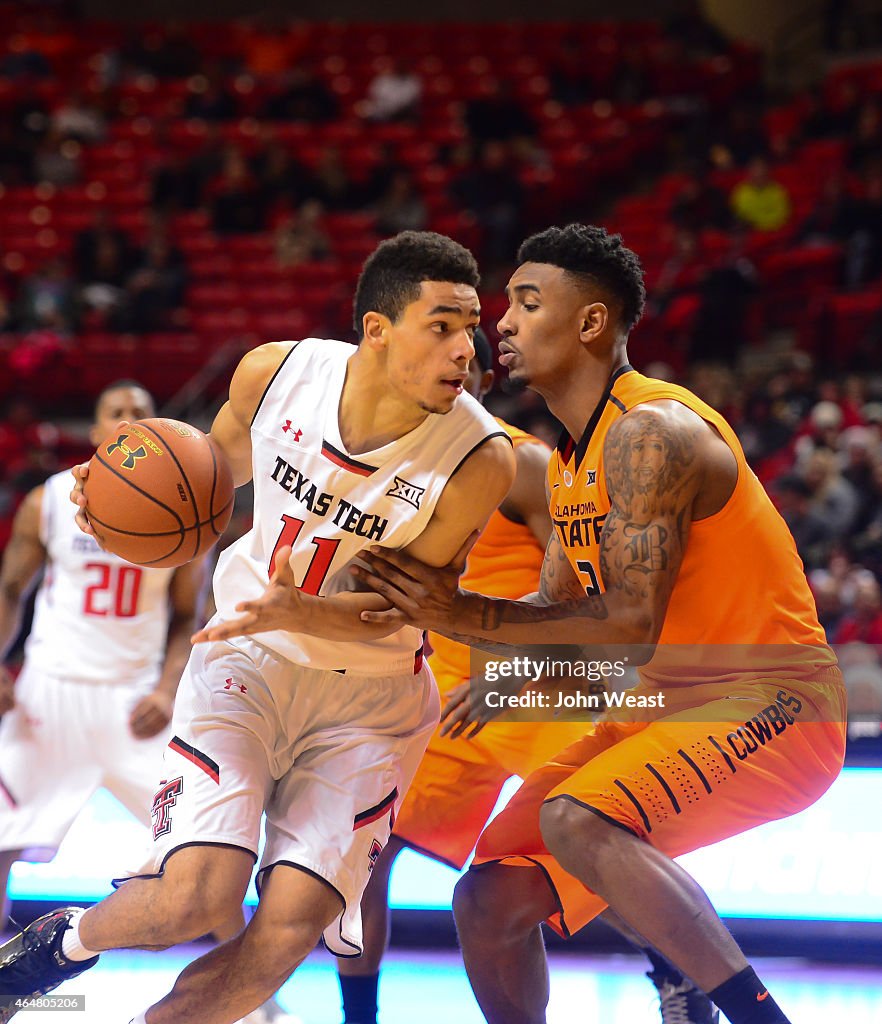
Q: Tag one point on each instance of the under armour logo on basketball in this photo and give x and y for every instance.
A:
(295, 434)
(229, 684)
(131, 454)
(166, 797)
(407, 492)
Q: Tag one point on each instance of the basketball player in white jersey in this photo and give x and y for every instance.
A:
(96, 692)
(322, 728)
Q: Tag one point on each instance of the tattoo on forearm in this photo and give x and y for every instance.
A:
(557, 581)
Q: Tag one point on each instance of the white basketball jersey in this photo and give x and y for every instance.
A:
(329, 506)
(97, 618)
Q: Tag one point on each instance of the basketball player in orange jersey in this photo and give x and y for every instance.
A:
(318, 729)
(458, 783)
(662, 537)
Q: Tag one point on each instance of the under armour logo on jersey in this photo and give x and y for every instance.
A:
(373, 855)
(591, 477)
(166, 797)
(229, 684)
(407, 492)
(131, 454)
(295, 434)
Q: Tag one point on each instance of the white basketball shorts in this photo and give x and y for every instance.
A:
(328, 757)
(60, 743)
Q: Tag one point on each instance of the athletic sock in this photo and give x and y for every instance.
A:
(71, 947)
(744, 999)
(661, 965)
(359, 998)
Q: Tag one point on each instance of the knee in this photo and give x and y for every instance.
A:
(499, 901)
(575, 836)
(278, 951)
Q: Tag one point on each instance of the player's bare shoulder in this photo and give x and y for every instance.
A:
(254, 374)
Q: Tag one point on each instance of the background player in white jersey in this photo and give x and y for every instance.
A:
(102, 663)
(322, 728)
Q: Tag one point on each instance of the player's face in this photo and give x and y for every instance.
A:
(540, 329)
(117, 405)
(647, 459)
(430, 347)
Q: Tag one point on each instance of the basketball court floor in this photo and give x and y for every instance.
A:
(431, 987)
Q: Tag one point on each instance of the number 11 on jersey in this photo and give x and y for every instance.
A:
(320, 563)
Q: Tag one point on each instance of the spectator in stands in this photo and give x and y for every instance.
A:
(833, 217)
(725, 293)
(301, 237)
(332, 185)
(866, 243)
(47, 298)
(156, 286)
(497, 116)
(270, 45)
(175, 185)
(282, 181)
(867, 541)
(832, 496)
(380, 176)
(699, 204)
(492, 192)
(57, 160)
(74, 118)
(236, 206)
(760, 202)
(813, 534)
(864, 622)
(167, 53)
(103, 260)
(209, 99)
(737, 140)
(865, 148)
(570, 74)
(402, 207)
(302, 97)
(861, 454)
(828, 601)
(631, 82)
(393, 94)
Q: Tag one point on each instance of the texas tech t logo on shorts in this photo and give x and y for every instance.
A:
(166, 797)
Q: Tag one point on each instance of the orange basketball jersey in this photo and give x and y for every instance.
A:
(504, 562)
(741, 581)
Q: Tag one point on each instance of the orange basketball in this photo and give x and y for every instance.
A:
(159, 493)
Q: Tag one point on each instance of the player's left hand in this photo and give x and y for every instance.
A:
(280, 606)
(151, 715)
(425, 594)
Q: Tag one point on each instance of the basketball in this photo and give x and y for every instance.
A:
(159, 493)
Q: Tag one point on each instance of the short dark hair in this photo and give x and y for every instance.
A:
(591, 253)
(116, 385)
(391, 276)
(483, 350)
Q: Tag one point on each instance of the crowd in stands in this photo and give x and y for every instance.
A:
(169, 190)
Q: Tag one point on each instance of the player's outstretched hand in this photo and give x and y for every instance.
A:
(7, 691)
(424, 593)
(466, 712)
(278, 607)
(151, 715)
(81, 475)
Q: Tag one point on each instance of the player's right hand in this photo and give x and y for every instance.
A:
(467, 712)
(81, 475)
(7, 691)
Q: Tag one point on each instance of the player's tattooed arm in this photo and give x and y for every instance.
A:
(653, 464)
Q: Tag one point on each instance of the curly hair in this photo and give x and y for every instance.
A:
(391, 276)
(595, 256)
